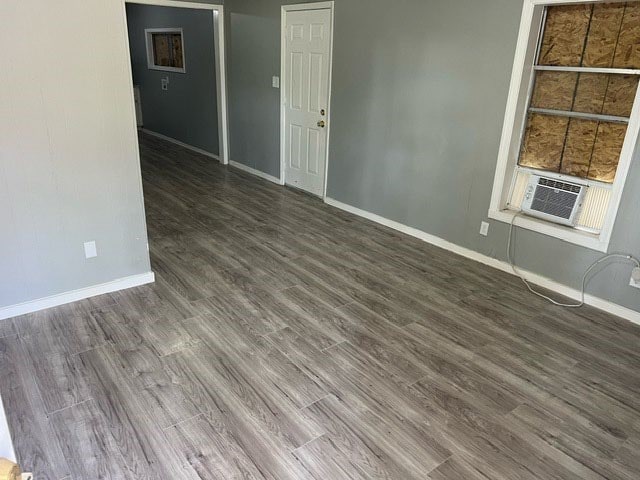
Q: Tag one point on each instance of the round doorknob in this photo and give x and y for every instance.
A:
(321, 123)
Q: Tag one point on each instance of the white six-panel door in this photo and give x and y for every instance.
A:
(307, 57)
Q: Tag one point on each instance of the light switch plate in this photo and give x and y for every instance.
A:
(484, 229)
(275, 82)
(90, 250)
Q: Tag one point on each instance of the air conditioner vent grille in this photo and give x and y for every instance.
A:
(553, 202)
(569, 187)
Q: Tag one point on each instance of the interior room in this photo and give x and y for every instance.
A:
(284, 239)
(175, 101)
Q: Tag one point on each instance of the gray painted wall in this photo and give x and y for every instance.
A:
(188, 110)
(419, 94)
(69, 168)
(254, 116)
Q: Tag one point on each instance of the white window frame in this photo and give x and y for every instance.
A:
(148, 34)
(515, 116)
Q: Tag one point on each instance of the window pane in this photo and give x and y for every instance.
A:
(578, 148)
(603, 35)
(543, 142)
(161, 53)
(606, 94)
(167, 49)
(177, 51)
(554, 90)
(590, 93)
(565, 34)
(585, 92)
(621, 93)
(606, 152)
(628, 48)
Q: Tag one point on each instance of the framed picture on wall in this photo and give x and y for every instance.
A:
(165, 49)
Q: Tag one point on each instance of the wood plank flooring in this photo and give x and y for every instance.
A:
(285, 339)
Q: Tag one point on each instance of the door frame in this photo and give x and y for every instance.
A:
(283, 82)
(217, 13)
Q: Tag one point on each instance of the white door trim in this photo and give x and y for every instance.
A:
(217, 12)
(283, 82)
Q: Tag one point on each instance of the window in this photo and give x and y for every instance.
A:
(573, 113)
(165, 49)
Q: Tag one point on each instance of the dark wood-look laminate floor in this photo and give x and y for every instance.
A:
(285, 339)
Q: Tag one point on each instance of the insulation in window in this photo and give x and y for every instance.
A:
(177, 51)
(595, 93)
(603, 35)
(554, 90)
(628, 48)
(604, 28)
(576, 157)
(581, 148)
(621, 93)
(167, 50)
(606, 151)
(543, 142)
(590, 93)
(161, 53)
(565, 34)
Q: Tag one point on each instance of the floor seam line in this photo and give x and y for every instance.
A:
(440, 464)
(315, 401)
(182, 421)
(307, 443)
(54, 412)
(324, 350)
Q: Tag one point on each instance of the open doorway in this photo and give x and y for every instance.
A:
(178, 90)
(178, 73)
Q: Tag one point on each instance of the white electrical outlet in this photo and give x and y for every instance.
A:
(484, 229)
(275, 82)
(90, 250)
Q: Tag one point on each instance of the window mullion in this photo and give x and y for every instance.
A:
(617, 71)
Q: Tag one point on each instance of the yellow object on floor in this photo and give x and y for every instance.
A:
(9, 470)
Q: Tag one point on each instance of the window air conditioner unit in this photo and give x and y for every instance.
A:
(554, 200)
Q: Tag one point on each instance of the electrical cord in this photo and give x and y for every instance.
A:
(630, 258)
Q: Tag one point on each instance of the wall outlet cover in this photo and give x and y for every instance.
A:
(484, 229)
(90, 250)
(275, 82)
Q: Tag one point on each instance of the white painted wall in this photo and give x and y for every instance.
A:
(69, 166)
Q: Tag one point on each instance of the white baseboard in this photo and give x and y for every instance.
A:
(182, 144)
(253, 171)
(544, 282)
(75, 295)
